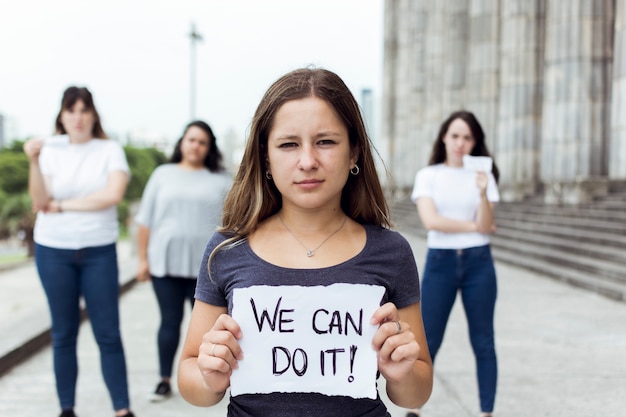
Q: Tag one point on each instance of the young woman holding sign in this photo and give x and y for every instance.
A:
(306, 210)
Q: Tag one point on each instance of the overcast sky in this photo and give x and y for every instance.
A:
(134, 56)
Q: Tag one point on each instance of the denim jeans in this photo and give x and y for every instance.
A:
(92, 273)
(471, 272)
(171, 293)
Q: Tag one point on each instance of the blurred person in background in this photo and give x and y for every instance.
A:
(181, 207)
(76, 180)
(456, 205)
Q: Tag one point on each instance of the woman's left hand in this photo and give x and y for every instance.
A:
(54, 206)
(396, 346)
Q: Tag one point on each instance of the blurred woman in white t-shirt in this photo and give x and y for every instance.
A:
(76, 180)
(455, 204)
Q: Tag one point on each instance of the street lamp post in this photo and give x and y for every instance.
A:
(195, 36)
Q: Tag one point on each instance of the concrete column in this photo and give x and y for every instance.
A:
(456, 34)
(483, 72)
(386, 145)
(427, 64)
(575, 112)
(617, 152)
(403, 96)
(434, 57)
(440, 84)
(519, 108)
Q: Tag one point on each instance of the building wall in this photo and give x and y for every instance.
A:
(516, 140)
(617, 143)
(544, 77)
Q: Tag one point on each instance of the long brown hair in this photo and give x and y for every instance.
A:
(70, 96)
(213, 160)
(254, 198)
(438, 153)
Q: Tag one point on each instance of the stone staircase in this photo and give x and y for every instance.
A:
(583, 245)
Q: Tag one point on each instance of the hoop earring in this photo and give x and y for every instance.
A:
(268, 174)
(355, 170)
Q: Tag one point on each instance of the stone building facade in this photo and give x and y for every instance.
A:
(546, 78)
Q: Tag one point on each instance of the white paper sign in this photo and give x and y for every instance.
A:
(477, 163)
(57, 140)
(307, 339)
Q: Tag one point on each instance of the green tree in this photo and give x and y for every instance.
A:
(5, 233)
(15, 206)
(17, 146)
(16, 215)
(157, 155)
(142, 162)
(13, 172)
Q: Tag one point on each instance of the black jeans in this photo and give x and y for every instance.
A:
(171, 293)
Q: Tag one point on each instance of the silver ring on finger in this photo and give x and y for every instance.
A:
(213, 349)
(398, 327)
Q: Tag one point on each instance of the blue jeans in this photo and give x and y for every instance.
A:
(171, 293)
(470, 271)
(92, 272)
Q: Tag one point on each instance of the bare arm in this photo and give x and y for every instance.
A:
(143, 268)
(403, 357)
(484, 222)
(484, 217)
(209, 355)
(433, 221)
(107, 197)
(37, 187)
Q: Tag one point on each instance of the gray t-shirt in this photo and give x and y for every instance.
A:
(386, 260)
(182, 209)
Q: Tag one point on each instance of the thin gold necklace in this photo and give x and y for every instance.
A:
(311, 252)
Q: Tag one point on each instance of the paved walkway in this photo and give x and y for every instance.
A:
(562, 352)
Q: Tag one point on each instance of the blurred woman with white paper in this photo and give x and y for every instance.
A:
(455, 202)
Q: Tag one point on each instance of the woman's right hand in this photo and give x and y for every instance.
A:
(143, 271)
(219, 352)
(32, 149)
(481, 182)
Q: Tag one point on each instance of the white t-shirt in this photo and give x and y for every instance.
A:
(74, 171)
(455, 195)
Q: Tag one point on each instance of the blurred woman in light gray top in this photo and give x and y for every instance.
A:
(180, 209)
